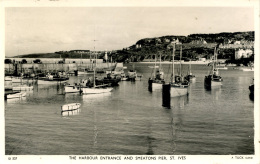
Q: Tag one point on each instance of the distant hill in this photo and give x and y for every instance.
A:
(193, 47)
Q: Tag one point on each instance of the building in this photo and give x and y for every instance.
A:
(243, 53)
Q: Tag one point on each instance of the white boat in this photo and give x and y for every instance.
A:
(8, 78)
(15, 95)
(156, 86)
(190, 77)
(96, 89)
(213, 79)
(154, 66)
(17, 80)
(50, 80)
(69, 107)
(224, 68)
(72, 88)
(177, 88)
(23, 88)
(157, 80)
(247, 69)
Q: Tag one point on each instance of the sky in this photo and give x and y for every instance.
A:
(50, 29)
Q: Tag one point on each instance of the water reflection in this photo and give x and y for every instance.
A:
(176, 117)
(215, 93)
(71, 113)
(96, 97)
(179, 102)
(69, 96)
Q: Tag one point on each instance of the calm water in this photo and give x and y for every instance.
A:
(131, 120)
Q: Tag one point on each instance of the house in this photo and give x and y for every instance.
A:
(243, 53)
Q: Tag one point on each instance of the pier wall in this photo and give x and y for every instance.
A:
(52, 67)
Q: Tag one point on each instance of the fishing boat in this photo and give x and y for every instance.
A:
(177, 86)
(72, 88)
(22, 88)
(111, 80)
(85, 72)
(156, 81)
(96, 88)
(70, 107)
(213, 79)
(49, 79)
(12, 95)
(190, 77)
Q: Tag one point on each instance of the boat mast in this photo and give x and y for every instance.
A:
(154, 69)
(173, 52)
(160, 61)
(180, 60)
(95, 63)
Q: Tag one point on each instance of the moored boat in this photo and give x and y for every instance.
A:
(49, 79)
(213, 79)
(8, 78)
(95, 88)
(23, 88)
(178, 87)
(72, 88)
(12, 95)
(69, 107)
(251, 89)
(248, 69)
(190, 77)
(157, 80)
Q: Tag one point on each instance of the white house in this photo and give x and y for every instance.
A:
(243, 53)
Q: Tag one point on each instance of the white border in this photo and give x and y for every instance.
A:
(133, 3)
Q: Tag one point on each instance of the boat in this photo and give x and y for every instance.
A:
(71, 112)
(8, 78)
(96, 88)
(213, 79)
(12, 95)
(17, 79)
(157, 80)
(123, 77)
(70, 107)
(72, 88)
(177, 86)
(248, 69)
(251, 89)
(23, 88)
(222, 67)
(190, 77)
(49, 79)
(111, 80)
(84, 72)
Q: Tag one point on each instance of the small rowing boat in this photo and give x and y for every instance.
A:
(69, 107)
(15, 95)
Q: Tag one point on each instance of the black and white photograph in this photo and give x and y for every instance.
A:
(130, 83)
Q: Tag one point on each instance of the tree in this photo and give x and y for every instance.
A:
(8, 61)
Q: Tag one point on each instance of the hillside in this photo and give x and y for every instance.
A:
(194, 46)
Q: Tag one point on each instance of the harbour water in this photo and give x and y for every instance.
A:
(132, 121)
